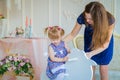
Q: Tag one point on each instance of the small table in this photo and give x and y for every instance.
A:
(35, 49)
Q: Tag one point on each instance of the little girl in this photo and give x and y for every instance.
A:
(57, 53)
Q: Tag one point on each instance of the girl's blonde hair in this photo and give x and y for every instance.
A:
(54, 32)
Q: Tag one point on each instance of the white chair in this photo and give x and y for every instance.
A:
(78, 42)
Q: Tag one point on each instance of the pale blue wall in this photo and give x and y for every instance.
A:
(117, 16)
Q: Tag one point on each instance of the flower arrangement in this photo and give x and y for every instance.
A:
(19, 30)
(19, 64)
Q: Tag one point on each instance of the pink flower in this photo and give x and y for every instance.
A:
(16, 59)
(22, 64)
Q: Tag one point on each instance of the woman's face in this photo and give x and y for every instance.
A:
(88, 18)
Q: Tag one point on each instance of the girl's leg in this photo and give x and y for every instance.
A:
(94, 78)
(103, 72)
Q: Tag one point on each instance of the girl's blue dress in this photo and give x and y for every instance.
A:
(55, 68)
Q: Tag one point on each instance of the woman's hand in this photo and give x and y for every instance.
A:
(88, 55)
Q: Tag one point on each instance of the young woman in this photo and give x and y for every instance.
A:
(98, 35)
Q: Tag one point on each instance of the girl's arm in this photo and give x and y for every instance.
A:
(51, 54)
(74, 32)
(105, 46)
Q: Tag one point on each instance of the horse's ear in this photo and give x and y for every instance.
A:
(93, 63)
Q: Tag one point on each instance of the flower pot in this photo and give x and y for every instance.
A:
(9, 75)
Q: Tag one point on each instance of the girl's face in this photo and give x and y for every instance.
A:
(88, 18)
(55, 41)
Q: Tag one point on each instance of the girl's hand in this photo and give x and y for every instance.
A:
(68, 50)
(65, 58)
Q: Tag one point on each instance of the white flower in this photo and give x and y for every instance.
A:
(1, 63)
(10, 58)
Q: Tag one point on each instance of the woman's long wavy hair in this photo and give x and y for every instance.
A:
(100, 23)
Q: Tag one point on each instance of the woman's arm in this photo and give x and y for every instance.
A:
(51, 54)
(74, 32)
(105, 46)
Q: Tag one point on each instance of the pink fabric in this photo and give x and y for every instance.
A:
(36, 49)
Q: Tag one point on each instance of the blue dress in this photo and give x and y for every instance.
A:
(55, 68)
(104, 57)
